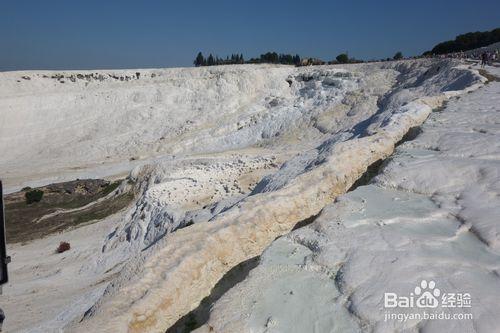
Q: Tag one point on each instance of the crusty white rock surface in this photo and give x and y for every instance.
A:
(184, 267)
(432, 214)
(116, 119)
(241, 152)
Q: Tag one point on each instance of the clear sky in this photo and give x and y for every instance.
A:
(85, 34)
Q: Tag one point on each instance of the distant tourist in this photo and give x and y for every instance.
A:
(484, 59)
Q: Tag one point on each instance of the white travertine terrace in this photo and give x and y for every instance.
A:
(431, 214)
(225, 160)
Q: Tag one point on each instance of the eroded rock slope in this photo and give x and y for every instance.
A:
(223, 161)
(430, 215)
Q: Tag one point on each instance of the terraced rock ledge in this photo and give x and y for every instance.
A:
(431, 214)
(186, 265)
(223, 161)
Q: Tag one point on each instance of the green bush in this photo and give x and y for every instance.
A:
(398, 56)
(343, 58)
(33, 196)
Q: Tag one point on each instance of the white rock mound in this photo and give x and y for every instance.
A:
(431, 215)
(182, 268)
(224, 160)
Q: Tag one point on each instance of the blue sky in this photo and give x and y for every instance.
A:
(55, 34)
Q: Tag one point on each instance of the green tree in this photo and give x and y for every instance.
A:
(210, 60)
(468, 41)
(296, 60)
(398, 56)
(200, 60)
(343, 58)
